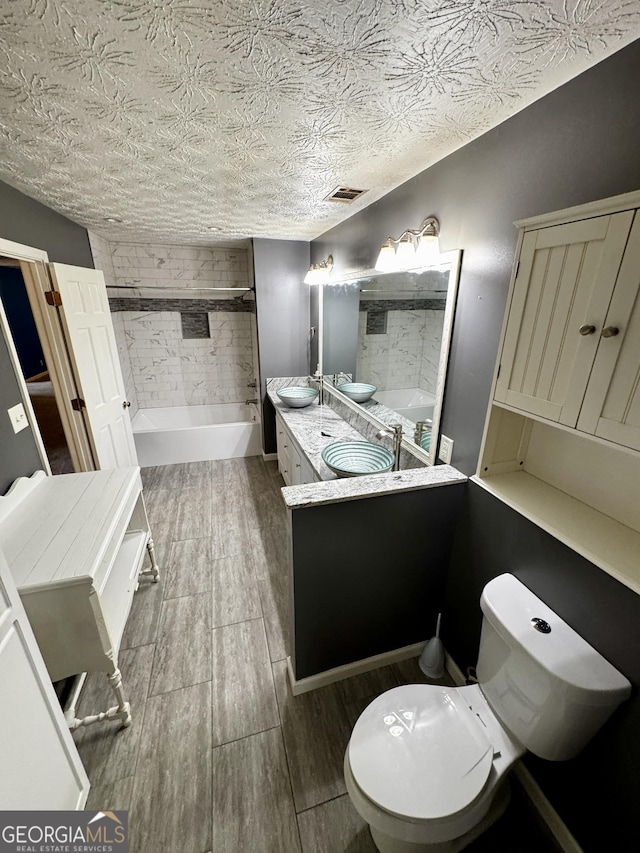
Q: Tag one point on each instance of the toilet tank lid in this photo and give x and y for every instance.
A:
(511, 607)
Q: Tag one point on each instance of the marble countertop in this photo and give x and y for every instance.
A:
(352, 488)
(314, 427)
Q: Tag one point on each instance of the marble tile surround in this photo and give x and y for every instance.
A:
(406, 355)
(164, 266)
(168, 370)
(160, 368)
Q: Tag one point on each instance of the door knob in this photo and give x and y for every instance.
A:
(587, 329)
(125, 404)
(610, 332)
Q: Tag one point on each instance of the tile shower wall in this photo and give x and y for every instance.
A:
(169, 370)
(151, 265)
(165, 368)
(406, 355)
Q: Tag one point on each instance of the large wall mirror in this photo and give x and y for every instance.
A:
(392, 330)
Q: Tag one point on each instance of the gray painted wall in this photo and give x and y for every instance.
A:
(282, 305)
(18, 454)
(24, 220)
(576, 145)
(360, 583)
(340, 338)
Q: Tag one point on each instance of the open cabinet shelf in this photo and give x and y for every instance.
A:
(579, 489)
(607, 543)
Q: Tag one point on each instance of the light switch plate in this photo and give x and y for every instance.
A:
(446, 449)
(18, 417)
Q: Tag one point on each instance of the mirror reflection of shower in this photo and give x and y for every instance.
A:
(392, 330)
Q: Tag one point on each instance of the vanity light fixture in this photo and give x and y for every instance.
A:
(414, 248)
(319, 273)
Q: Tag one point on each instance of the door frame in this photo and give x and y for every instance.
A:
(33, 265)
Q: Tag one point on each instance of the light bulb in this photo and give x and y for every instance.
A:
(428, 253)
(405, 254)
(387, 258)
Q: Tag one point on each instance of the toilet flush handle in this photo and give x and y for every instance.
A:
(541, 625)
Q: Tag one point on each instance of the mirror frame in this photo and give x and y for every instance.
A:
(454, 260)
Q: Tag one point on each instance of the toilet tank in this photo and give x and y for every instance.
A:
(550, 688)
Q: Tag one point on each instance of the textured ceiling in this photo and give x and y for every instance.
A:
(211, 120)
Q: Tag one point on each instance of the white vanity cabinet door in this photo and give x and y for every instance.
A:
(293, 465)
(565, 280)
(41, 768)
(611, 408)
(283, 441)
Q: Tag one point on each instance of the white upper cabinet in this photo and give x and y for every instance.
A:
(565, 280)
(562, 437)
(611, 407)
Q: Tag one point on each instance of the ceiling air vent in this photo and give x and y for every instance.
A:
(344, 194)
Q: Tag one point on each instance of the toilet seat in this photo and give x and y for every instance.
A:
(419, 752)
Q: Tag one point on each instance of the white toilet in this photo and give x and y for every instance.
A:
(426, 765)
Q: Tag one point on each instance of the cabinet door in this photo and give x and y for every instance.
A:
(296, 466)
(41, 768)
(565, 280)
(283, 443)
(611, 406)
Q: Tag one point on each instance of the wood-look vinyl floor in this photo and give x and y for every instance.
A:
(221, 757)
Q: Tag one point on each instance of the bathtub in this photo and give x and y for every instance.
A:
(165, 436)
(412, 403)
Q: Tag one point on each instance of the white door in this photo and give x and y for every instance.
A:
(91, 342)
(41, 768)
(611, 406)
(561, 295)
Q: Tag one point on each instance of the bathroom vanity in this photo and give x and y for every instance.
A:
(75, 545)
(368, 554)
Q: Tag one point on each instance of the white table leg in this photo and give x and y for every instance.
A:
(121, 711)
(153, 569)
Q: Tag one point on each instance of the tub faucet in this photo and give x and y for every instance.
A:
(394, 432)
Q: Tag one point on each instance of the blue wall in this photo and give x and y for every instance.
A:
(20, 318)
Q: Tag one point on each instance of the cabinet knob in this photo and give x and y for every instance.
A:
(125, 404)
(586, 329)
(610, 331)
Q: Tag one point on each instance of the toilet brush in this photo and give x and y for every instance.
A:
(432, 658)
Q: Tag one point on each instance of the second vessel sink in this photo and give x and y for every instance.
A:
(359, 392)
(355, 458)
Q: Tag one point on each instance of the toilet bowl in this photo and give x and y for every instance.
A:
(423, 766)
(427, 766)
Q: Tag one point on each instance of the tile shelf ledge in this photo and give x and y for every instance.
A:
(610, 545)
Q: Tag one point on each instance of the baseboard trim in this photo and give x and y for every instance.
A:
(269, 457)
(339, 673)
(539, 802)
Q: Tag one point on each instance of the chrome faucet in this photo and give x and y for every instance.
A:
(394, 432)
(421, 428)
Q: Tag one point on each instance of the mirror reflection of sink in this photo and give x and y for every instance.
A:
(355, 458)
(359, 392)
